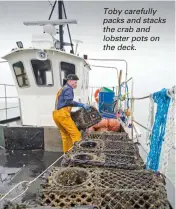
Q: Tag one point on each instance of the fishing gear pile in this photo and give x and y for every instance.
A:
(105, 173)
(104, 188)
(102, 160)
(102, 171)
(113, 147)
(109, 135)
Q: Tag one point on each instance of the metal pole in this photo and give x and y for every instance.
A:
(141, 98)
(119, 83)
(68, 28)
(97, 87)
(137, 137)
(125, 86)
(52, 10)
(103, 66)
(116, 60)
(5, 100)
(141, 125)
(60, 26)
(132, 110)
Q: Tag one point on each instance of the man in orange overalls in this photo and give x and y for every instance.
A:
(61, 115)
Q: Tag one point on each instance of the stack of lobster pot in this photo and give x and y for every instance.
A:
(103, 171)
(105, 149)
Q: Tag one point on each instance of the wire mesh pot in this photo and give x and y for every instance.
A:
(86, 118)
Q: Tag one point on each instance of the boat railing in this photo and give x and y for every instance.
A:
(6, 105)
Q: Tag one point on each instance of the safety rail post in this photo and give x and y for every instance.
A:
(132, 108)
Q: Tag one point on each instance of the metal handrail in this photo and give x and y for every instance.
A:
(142, 126)
(6, 97)
(9, 108)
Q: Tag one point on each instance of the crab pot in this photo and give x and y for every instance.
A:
(103, 188)
(11, 205)
(86, 118)
(111, 147)
(109, 135)
(83, 159)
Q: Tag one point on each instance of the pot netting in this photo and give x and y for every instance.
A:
(107, 147)
(10, 205)
(109, 135)
(102, 160)
(106, 188)
(86, 118)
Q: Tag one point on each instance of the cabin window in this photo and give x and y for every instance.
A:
(66, 69)
(42, 72)
(20, 74)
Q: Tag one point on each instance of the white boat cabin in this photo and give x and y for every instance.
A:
(39, 72)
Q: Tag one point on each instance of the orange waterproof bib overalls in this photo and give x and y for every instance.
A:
(69, 132)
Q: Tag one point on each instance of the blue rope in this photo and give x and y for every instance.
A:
(158, 131)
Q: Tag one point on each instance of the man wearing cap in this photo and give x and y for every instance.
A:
(61, 115)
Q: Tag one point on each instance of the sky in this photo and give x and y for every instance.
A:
(151, 65)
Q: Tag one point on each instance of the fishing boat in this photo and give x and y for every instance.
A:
(31, 146)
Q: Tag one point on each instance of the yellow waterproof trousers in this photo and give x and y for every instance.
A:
(69, 132)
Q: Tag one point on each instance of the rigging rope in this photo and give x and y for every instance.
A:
(162, 100)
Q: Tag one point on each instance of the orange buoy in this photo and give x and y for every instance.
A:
(96, 95)
(127, 112)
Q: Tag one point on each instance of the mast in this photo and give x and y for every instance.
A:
(60, 16)
(61, 10)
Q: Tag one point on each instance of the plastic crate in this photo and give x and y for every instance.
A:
(106, 100)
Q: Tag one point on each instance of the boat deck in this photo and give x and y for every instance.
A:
(17, 166)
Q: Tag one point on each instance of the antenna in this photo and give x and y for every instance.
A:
(52, 22)
(77, 42)
(49, 25)
(61, 9)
